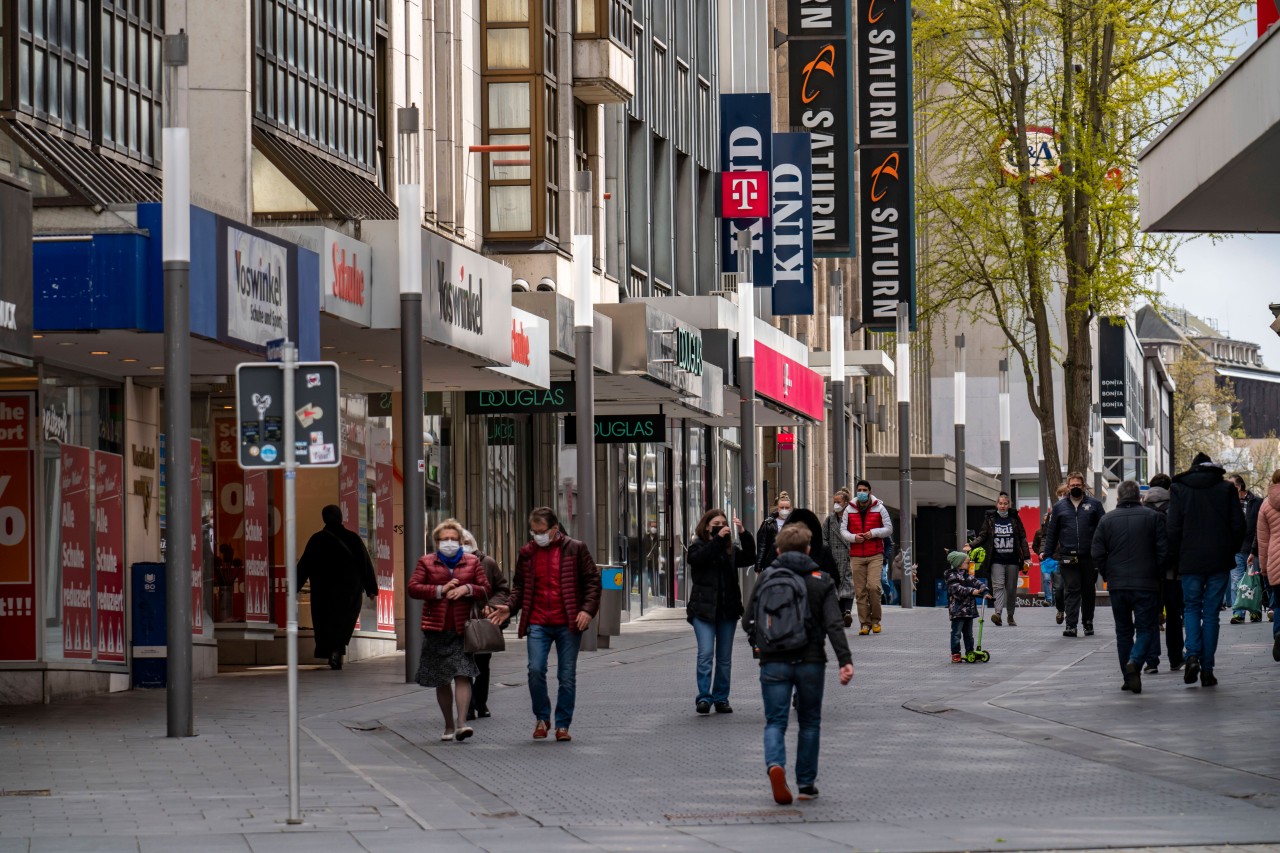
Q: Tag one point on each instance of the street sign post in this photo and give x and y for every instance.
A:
(273, 402)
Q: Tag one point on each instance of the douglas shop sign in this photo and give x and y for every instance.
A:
(558, 398)
(621, 429)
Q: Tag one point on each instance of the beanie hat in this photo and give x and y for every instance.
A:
(1201, 458)
(957, 559)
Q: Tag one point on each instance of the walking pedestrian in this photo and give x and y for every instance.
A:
(1250, 504)
(1129, 549)
(448, 581)
(337, 564)
(1051, 578)
(1069, 539)
(839, 549)
(1206, 527)
(793, 612)
(769, 530)
(964, 591)
(866, 526)
(1170, 593)
(715, 603)
(1269, 552)
(818, 551)
(1004, 539)
(556, 592)
(499, 590)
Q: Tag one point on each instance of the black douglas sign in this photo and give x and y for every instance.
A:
(621, 429)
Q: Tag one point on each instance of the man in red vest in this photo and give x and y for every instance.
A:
(866, 526)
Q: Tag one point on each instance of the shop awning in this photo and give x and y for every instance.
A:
(96, 176)
(933, 481)
(339, 192)
(1214, 168)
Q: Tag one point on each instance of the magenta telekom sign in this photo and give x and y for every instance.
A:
(789, 383)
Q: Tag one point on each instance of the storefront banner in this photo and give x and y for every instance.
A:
(108, 553)
(15, 283)
(792, 225)
(884, 73)
(560, 397)
(746, 137)
(349, 494)
(530, 349)
(76, 548)
(886, 265)
(197, 550)
(258, 286)
(1113, 370)
(383, 559)
(789, 383)
(226, 445)
(17, 552)
(256, 588)
(817, 17)
(466, 300)
(228, 542)
(621, 429)
(15, 421)
(346, 278)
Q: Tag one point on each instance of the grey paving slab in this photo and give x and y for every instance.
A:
(643, 839)
(199, 844)
(85, 844)
(526, 840)
(414, 841)
(300, 839)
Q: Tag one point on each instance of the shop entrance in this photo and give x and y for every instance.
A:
(645, 522)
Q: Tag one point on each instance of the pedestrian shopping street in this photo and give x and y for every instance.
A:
(1038, 749)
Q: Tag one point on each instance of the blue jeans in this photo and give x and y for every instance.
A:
(777, 680)
(567, 641)
(1237, 575)
(1136, 609)
(1201, 595)
(715, 646)
(961, 627)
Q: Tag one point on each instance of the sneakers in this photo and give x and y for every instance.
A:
(563, 735)
(541, 729)
(955, 657)
(1061, 616)
(1275, 649)
(1012, 624)
(1192, 672)
(724, 708)
(848, 619)
(1151, 669)
(864, 631)
(778, 782)
(463, 733)
(1236, 620)
(1174, 667)
(1088, 629)
(995, 619)
(875, 629)
(1208, 679)
(1255, 617)
(703, 708)
(808, 792)
(1133, 677)
(1068, 632)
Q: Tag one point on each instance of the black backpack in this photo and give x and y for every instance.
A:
(780, 615)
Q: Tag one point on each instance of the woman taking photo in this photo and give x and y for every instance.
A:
(448, 581)
(715, 603)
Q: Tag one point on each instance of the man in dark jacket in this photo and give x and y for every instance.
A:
(801, 671)
(1005, 541)
(1129, 549)
(1069, 539)
(337, 564)
(556, 591)
(1206, 528)
(1157, 498)
(1249, 505)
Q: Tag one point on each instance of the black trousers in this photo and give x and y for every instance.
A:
(480, 684)
(1171, 601)
(1080, 580)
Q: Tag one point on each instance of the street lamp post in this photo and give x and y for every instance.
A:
(1005, 430)
(747, 377)
(583, 332)
(176, 256)
(903, 375)
(412, 463)
(962, 483)
(839, 432)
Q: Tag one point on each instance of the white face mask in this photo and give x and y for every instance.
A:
(784, 514)
(468, 549)
(542, 539)
(449, 548)
(837, 507)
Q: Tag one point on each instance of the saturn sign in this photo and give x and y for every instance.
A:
(1043, 158)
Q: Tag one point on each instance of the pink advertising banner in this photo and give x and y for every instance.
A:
(788, 382)
(257, 574)
(383, 562)
(77, 574)
(108, 553)
(197, 550)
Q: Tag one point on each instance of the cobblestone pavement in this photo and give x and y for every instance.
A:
(1039, 749)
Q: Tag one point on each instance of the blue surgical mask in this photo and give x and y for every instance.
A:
(863, 497)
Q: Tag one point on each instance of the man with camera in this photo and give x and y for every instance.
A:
(1069, 539)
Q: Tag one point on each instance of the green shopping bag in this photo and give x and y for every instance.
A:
(1249, 593)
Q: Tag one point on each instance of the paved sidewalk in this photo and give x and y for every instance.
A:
(1038, 749)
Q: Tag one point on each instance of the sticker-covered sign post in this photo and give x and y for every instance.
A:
(286, 417)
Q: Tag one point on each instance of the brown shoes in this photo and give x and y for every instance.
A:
(563, 735)
(778, 782)
(540, 730)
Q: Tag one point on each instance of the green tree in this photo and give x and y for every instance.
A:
(1032, 113)
(1202, 408)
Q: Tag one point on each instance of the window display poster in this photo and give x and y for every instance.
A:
(229, 542)
(17, 548)
(257, 582)
(349, 493)
(108, 553)
(197, 551)
(76, 547)
(383, 561)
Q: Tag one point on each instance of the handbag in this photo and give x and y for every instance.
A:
(1249, 593)
(480, 636)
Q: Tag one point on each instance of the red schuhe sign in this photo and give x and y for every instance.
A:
(745, 195)
(348, 278)
(519, 344)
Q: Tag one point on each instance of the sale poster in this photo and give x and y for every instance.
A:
(108, 553)
(280, 594)
(197, 552)
(77, 573)
(226, 447)
(383, 562)
(349, 493)
(17, 541)
(228, 542)
(257, 576)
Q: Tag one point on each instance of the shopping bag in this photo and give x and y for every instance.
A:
(1249, 593)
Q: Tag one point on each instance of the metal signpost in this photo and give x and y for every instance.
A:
(268, 418)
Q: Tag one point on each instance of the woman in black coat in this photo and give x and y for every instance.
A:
(818, 551)
(715, 603)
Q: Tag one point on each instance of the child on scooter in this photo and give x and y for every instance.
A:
(963, 593)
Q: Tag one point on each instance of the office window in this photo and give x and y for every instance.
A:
(132, 88)
(54, 63)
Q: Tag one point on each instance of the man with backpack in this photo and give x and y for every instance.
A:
(793, 611)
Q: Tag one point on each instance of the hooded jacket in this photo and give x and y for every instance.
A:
(1269, 535)
(1130, 546)
(873, 522)
(714, 592)
(1157, 498)
(826, 622)
(963, 592)
(1206, 525)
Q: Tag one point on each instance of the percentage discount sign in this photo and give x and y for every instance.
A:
(13, 519)
(17, 564)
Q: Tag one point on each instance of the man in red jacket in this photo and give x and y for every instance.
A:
(556, 591)
(866, 526)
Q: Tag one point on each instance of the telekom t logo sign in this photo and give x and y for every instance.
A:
(745, 195)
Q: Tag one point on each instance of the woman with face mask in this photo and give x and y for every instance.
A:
(765, 554)
(1004, 538)
(831, 527)
(448, 581)
(715, 603)
(500, 592)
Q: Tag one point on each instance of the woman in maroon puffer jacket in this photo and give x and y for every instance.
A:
(448, 581)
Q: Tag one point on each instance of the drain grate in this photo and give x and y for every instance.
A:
(30, 792)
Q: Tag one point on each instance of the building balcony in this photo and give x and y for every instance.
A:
(603, 71)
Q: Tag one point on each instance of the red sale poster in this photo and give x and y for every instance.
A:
(383, 562)
(228, 542)
(108, 553)
(280, 595)
(197, 551)
(257, 580)
(77, 594)
(17, 538)
(349, 493)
